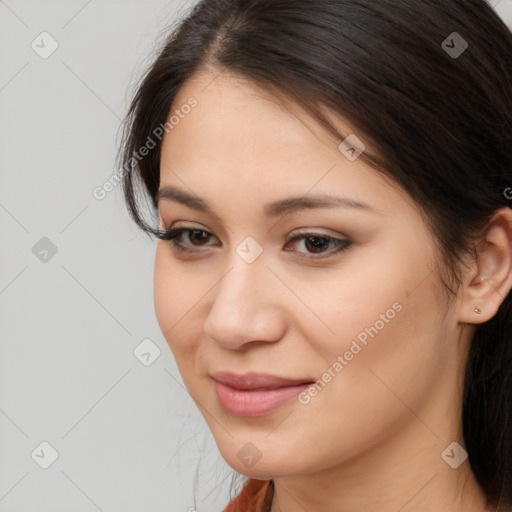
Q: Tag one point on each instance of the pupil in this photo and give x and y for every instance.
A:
(318, 245)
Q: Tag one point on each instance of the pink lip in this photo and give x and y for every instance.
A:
(253, 394)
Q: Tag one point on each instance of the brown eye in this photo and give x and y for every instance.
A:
(316, 244)
(196, 236)
(178, 240)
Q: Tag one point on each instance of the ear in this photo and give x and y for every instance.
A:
(488, 279)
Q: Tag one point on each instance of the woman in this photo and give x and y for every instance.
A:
(333, 273)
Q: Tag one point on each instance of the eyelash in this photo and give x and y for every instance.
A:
(171, 235)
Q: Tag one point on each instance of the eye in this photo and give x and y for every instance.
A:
(196, 236)
(314, 243)
(319, 243)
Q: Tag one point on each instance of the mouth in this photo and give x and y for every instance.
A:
(253, 394)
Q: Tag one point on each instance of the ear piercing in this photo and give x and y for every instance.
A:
(478, 310)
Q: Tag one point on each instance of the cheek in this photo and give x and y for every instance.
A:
(388, 341)
(165, 282)
(360, 301)
(382, 316)
(175, 297)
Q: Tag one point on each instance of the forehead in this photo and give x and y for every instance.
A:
(232, 109)
(240, 137)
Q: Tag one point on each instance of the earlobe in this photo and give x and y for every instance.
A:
(489, 277)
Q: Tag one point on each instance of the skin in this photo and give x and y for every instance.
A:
(372, 439)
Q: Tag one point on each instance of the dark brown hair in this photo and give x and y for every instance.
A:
(440, 124)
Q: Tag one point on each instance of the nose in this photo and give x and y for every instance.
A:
(246, 307)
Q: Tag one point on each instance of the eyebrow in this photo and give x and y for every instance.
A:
(278, 208)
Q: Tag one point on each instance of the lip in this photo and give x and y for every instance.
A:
(255, 394)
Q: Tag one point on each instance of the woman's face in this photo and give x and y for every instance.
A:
(353, 304)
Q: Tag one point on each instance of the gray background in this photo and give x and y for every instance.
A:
(126, 433)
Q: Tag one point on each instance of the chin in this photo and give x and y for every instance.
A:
(255, 459)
